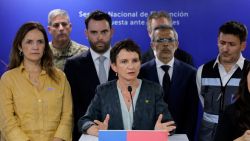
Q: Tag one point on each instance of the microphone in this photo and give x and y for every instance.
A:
(129, 89)
(130, 92)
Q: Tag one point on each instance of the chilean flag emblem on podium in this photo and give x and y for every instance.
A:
(133, 135)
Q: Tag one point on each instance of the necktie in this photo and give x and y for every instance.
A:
(166, 82)
(102, 72)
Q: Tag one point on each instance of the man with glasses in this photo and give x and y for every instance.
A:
(163, 18)
(218, 80)
(176, 77)
(61, 45)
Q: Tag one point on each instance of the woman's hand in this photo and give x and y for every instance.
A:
(244, 137)
(93, 130)
(168, 126)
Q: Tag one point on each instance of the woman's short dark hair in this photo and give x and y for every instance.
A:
(126, 44)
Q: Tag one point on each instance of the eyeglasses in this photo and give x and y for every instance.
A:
(57, 25)
(165, 40)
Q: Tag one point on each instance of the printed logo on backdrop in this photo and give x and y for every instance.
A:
(137, 18)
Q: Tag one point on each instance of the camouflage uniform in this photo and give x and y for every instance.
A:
(61, 54)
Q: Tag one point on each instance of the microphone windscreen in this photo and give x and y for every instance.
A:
(130, 89)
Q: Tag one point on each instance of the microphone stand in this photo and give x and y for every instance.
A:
(130, 92)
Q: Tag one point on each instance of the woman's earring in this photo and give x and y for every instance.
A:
(20, 53)
(116, 74)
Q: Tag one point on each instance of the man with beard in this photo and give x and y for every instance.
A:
(177, 79)
(218, 79)
(91, 68)
(61, 45)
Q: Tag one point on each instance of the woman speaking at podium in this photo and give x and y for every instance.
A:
(127, 103)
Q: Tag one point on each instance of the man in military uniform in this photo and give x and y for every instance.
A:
(61, 45)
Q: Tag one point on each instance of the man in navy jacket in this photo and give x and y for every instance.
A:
(163, 18)
(181, 95)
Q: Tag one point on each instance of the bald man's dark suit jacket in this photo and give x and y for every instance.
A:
(183, 95)
(83, 79)
(148, 107)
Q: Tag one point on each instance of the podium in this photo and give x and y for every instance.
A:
(175, 137)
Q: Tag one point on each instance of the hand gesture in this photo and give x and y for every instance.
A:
(93, 130)
(168, 126)
(103, 125)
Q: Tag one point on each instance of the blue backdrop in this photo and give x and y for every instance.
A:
(196, 21)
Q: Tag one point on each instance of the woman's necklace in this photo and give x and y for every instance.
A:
(34, 78)
(125, 92)
(34, 71)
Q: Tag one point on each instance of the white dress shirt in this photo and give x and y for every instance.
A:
(161, 72)
(95, 57)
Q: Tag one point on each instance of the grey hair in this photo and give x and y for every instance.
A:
(162, 27)
(175, 34)
(57, 12)
(157, 15)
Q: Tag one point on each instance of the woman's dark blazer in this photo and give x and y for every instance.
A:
(149, 106)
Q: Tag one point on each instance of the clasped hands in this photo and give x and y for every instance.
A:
(93, 130)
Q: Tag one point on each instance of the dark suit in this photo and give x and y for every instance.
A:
(83, 79)
(179, 54)
(149, 105)
(230, 124)
(183, 95)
